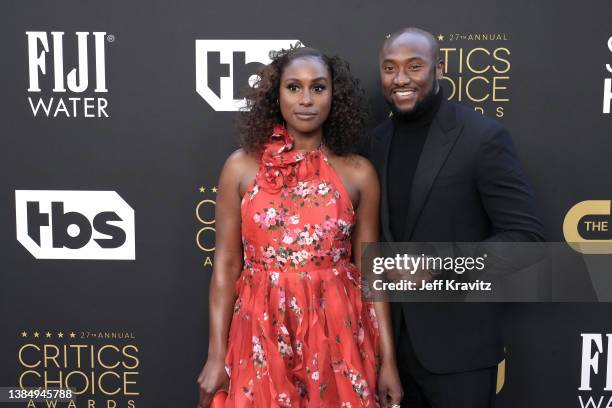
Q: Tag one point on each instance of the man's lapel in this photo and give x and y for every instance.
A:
(441, 138)
(384, 144)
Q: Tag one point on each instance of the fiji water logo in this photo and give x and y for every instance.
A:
(56, 88)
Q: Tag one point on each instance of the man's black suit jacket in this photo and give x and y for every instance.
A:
(469, 186)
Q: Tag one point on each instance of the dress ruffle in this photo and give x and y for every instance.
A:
(282, 166)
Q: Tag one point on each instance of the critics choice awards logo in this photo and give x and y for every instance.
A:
(59, 89)
(102, 368)
(61, 224)
(205, 216)
(225, 67)
(477, 70)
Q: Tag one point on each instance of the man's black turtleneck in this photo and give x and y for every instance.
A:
(410, 132)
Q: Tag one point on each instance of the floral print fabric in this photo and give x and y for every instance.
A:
(301, 335)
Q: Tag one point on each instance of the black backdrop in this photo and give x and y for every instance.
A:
(162, 146)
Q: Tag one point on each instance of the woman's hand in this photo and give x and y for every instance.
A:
(389, 385)
(212, 378)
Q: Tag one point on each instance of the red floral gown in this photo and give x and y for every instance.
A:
(301, 335)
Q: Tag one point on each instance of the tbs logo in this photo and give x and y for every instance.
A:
(224, 67)
(57, 224)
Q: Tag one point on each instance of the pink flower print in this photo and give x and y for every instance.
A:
(284, 348)
(301, 387)
(294, 307)
(344, 227)
(304, 238)
(302, 189)
(269, 254)
(253, 192)
(360, 385)
(281, 300)
(237, 306)
(282, 256)
(274, 276)
(299, 347)
(360, 334)
(300, 258)
(248, 390)
(283, 400)
(336, 254)
(339, 366)
(372, 316)
(259, 358)
(314, 361)
(270, 217)
(318, 231)
(269, 251)
(350, 276)
(294, 219)
(323, 188)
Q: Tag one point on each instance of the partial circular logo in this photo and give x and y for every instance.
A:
(586, 227)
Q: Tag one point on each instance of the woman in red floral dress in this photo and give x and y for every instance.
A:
(288, 325)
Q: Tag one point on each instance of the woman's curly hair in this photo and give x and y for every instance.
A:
(343, 128)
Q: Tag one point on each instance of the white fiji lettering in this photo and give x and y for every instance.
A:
(90, 107)
(76, 81)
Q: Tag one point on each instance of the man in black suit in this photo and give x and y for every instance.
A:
(448, 174)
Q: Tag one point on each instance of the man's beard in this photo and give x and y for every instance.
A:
(420, 106)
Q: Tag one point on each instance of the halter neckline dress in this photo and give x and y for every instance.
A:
(301, 335)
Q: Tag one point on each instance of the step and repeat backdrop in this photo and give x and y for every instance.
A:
(118, 116)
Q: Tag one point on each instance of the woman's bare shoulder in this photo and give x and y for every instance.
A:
(360, 170)
(239, 170)
(240, 161)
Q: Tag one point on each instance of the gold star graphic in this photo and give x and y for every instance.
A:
(47, 334)
(60, 335)
(202, 189)
(36, 334)
(24, 334)
(440, 37)
(72, 335)
(214, 189)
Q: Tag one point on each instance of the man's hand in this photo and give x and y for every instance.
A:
(389, 385)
